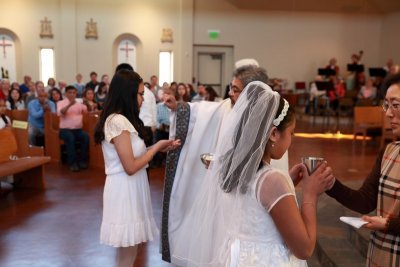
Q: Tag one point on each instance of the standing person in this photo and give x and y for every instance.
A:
(155, 87)
(71, 122)
(36, 112)
(127, 211)
(379, 191)
(332, 65)
(246, 212)
(148, 114)
(200, 125)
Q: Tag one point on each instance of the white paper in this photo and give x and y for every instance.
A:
(353, 221)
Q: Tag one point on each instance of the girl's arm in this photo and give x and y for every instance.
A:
(131, 164)
(298, 227)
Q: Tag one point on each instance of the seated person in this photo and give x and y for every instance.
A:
(368, 91)
(15, 100)
(4, 119)
(36, 111)
(337, 93)
(71, 115)
(314, 94)
(88, 100)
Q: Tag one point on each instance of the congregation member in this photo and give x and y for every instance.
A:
(93, 83)
(71, 122)
(201, 91)
(79, 85)
(4, 119)
(34, 91)
(24, 87)
(15, 100)
(51, 83)
(100, 95)
(196, 121)
(127, 211)
(55, 95)
(162, 127)
(36, 112)
(211, 95)
(155, 88)
(182, 93)
(89, 100)
(379, 192)
(4, 89)
(246, 212)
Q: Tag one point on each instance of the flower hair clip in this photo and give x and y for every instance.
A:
(278, 120)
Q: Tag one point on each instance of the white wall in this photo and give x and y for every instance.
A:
(390, 39)
(75, 53)
(290, 45)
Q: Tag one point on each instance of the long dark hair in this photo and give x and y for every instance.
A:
(122, 98)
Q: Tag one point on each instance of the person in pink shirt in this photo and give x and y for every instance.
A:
(71, 115)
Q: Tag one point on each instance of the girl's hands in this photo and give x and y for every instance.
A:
(167, 145)
(296, 173)
(318, 182)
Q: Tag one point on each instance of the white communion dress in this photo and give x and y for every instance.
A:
(257, 241)
(127, 212)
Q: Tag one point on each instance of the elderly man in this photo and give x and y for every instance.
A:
(191, 123)
(36, 111)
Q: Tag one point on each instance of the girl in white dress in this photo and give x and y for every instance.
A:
(127, 211)
(247, 212)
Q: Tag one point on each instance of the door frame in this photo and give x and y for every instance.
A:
(226, 51)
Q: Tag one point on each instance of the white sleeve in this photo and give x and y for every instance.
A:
(272, 186)
(115, 124)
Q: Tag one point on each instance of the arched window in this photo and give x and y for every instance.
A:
(8, 57)
(127, 52)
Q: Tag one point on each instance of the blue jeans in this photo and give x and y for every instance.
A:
(70, 137)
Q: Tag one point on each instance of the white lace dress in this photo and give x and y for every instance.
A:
(127, 212)
(257, 241)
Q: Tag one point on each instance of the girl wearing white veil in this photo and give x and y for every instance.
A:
(247, 213)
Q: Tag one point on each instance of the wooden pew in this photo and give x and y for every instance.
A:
(53, 142)
(27, 170)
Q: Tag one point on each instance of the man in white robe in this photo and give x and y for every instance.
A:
(203, 128)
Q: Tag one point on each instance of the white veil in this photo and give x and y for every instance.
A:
(204, 239)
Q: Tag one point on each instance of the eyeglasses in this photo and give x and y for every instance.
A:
(234, 89)
(394, 107)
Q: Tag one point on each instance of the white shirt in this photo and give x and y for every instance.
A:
(148, 110)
